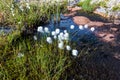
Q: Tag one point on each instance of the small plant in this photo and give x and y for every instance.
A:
(87, 6)
(116, 8)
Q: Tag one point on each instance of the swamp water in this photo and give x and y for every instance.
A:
(78, 34)
(100, 62)
(96, 62)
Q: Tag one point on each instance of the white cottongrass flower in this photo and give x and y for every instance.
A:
(74, 52)
(65, 31)
(61, 45)
(19, 22)
(55, 37)
(21, 8)
(80, 27)
(57, 31)
(68, 47)
(59, 38)
(92, 29)
(13, 14)
(49, 40)
(53, 33)
(35, 37)
(20, 55)
(40, 29)
(61, 35)
(46, 30)
(72, 27)
(86, 26)
(66, 36)
(27, 5)
(11, 9)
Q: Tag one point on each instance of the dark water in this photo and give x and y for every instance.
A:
(77, 35)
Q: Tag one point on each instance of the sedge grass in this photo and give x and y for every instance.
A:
(28, 59)
(38, 14)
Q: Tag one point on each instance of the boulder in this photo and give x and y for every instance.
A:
(81, 20)
(95, 24)
(114, 29)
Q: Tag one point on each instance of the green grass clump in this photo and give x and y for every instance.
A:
(24, 58)
(28, 14)
(27, 59)
(87, 6)
(116, 8)
(21, 17)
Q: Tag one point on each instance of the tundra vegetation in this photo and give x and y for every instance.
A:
(33, 52)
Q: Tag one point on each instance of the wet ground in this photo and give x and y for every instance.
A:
(102, 60)
(65, 23)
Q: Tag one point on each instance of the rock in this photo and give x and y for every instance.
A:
(109, 38)
(106, 37)
(70, 14)
(117, 22)
(101, 34)
(76, 8)
(95, 24)
(69, 8)
(73, 2)
(73, 9)
(81, 20)
(117, 56)
(101, 14)
(117, 15)
(114, 29)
